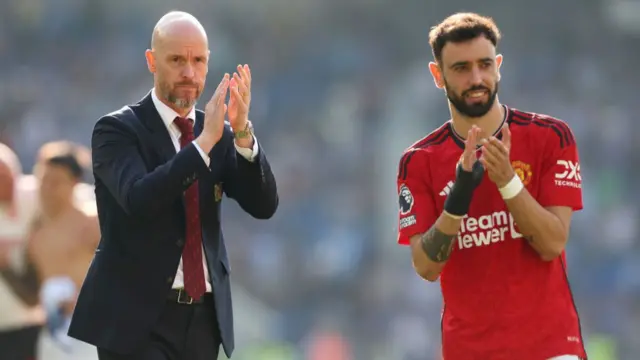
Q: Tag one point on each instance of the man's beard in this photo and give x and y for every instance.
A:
(180, 102)
(473, 110)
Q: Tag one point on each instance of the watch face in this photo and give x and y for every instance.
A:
(243, 134)
(246, 132)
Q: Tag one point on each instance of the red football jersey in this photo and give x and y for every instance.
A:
(501, 301)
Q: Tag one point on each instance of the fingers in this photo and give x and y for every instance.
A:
(221, 90)
(235, 93)
(221, 94)
(494, 149)
(494, 154)
(223, 83)
(246, 74)
(469, 154)
(495, 146)
(489, 167)
(489, 159)
(472, 140)
(243, 77)
(241, 86)
(506, 136)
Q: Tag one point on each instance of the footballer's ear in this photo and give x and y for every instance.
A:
(499, 59)
(436, 72)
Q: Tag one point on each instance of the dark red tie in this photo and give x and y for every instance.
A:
(192, 253)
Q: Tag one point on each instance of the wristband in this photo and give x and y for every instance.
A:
(455, 217)
(459, 199)
(512, 189)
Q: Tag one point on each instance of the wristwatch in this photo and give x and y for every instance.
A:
(247, 132)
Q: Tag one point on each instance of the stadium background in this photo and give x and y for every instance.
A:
(340, 88)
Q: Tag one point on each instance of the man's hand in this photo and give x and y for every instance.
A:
(239, 103)
(240, 98)
(469, 173)
(469, 156)
(495, 158)
(214, 117)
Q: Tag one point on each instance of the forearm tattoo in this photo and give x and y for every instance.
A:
(437, 245)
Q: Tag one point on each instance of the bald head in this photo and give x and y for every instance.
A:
(177, 25)
(178, 59)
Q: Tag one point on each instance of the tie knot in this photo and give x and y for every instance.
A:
(185, 125)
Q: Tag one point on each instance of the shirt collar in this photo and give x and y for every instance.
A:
(167, 114)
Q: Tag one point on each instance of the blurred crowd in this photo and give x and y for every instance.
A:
(340, 89)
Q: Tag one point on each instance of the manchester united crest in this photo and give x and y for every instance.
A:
(523, 170)
(217, 192)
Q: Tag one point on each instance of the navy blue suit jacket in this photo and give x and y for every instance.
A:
(140, 180)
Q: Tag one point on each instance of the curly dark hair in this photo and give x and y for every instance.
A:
(462, 27)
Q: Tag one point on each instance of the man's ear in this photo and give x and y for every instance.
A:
(499, 59)
(151, 60)
(436, 72)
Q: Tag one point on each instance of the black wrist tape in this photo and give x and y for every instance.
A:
(459, 198)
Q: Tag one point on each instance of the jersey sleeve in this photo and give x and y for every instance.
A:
(561, 181)
(416, 206)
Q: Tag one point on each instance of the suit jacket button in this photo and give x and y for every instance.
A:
(180, 242)
(170, 280)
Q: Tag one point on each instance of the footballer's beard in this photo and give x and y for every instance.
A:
(182, 102)
(473, 110)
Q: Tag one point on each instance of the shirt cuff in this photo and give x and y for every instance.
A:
(249, 154)
(204, 155)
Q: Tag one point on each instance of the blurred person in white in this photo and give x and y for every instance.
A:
(21, 317)
(60, 247)
(84, 196)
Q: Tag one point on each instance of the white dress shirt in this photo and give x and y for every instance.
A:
(168, 115)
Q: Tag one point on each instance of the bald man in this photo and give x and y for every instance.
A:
(158, 287)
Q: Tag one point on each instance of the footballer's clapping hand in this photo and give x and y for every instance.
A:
(469, 156)
(495, 158)
(469, 173)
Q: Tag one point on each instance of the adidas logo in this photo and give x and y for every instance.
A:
(447, 189)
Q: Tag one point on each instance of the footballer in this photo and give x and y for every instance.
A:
(485, 205)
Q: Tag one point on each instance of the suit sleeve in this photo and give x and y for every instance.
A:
(251, 183)
(118, 164)
(561, 181)
(416, 206)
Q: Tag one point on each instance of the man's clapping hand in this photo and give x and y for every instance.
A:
(240, 97)
(214, 117)
(495, 158)
(239, 103)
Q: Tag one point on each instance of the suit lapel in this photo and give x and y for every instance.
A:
(159, 132)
